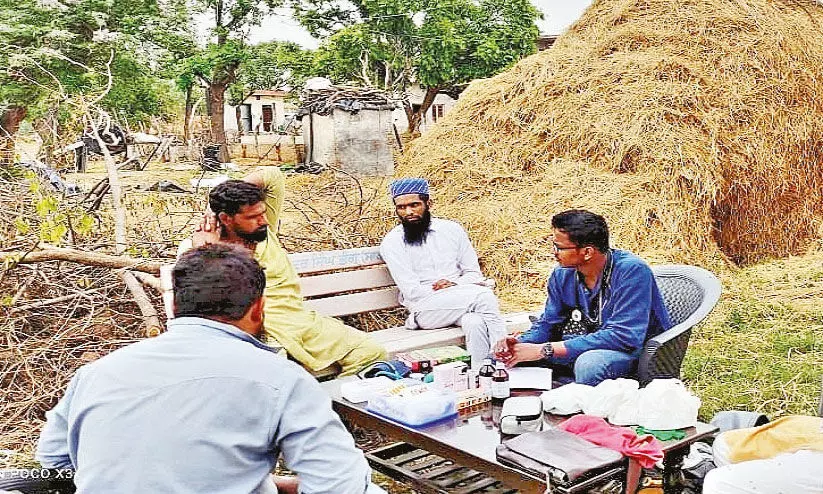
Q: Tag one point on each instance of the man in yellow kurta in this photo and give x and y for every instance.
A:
(246, 212)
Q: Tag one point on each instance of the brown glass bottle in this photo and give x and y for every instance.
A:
(500, 383)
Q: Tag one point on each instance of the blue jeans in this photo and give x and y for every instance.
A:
(595, 366)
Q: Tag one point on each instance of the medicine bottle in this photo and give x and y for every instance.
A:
(485, 376)
(500, 383)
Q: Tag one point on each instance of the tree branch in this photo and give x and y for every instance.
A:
(82, 257)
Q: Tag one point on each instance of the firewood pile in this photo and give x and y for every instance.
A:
(57, 314)
(348, 98)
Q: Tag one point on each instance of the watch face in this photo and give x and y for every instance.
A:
(546, 351)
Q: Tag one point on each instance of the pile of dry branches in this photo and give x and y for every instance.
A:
(65, 307)
(56, 316)
(324, 101)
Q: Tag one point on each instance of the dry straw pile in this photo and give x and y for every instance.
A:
(694, 126)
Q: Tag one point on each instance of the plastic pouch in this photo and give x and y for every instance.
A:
(521, 414)
(415, 406)
(666, 404)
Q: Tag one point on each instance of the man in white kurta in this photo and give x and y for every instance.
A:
(436, 269)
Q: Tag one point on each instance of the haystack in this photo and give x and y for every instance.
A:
(694, 126)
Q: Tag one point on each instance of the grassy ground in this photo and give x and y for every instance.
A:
(762, 348)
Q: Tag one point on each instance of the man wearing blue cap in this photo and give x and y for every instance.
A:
(436, 269)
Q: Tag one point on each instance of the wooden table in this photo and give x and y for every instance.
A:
(470, 442)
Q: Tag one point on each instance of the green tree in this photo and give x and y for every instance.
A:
(218, 64)
(436, 43)
(273, 65)
(51, 52)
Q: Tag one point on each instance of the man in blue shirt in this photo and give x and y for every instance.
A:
(204, 407)
(603, 305)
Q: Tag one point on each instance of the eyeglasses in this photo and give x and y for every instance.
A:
(557, 248)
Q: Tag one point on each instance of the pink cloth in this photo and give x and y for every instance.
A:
(646, 450)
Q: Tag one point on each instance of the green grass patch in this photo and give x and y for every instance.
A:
(762, 347)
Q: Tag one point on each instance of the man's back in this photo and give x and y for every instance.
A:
(201, 408)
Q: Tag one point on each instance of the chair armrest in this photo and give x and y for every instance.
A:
(663, 354)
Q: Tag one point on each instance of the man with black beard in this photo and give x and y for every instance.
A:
(436, 269)
(246, 213)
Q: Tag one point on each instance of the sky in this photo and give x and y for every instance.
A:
(559, 14)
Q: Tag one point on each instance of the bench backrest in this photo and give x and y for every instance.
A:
(345, 282)
(334, 283)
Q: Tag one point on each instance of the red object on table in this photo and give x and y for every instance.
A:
(646, 450)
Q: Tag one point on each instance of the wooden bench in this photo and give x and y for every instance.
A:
(356, 281)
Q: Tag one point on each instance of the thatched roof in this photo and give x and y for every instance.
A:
(691, 124)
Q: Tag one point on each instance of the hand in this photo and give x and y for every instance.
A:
(207, 232)
(524, 352)
(441, 284)
(503, 348)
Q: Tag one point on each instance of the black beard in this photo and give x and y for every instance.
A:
(256, 236)
(415, 233)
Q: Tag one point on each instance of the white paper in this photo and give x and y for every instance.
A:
(530, 378)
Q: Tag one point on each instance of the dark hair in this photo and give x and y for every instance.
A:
(217, 281)
(232, 195)
(584, 228)
(423, 197)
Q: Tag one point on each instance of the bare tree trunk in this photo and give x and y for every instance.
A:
(417, 117)
(217, 92)
(9, 125)
(152, 323)
(187, 119)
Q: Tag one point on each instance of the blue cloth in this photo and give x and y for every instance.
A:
(408, 185)
(633, 309)
(201, 408)
(595, 366)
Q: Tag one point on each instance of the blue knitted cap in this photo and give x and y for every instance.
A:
(408, 185)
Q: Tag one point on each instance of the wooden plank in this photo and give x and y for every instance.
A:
(444, 470)
(453, 480)
(477, 486)
(396, 340)
(347, 281)
(328, 260)
(420, 467)
(355, 303)
(418, 483)
(411, 456)
(400, 339)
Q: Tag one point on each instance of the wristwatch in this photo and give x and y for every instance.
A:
(547, 351)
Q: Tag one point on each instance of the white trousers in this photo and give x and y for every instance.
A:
(800, 472)
(472, 307)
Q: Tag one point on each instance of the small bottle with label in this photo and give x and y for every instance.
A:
(484, 376)
(500, 383)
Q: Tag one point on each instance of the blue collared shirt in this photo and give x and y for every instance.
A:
(204, 407)
(633, 308)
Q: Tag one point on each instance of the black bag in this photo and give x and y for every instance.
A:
(578, 322)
